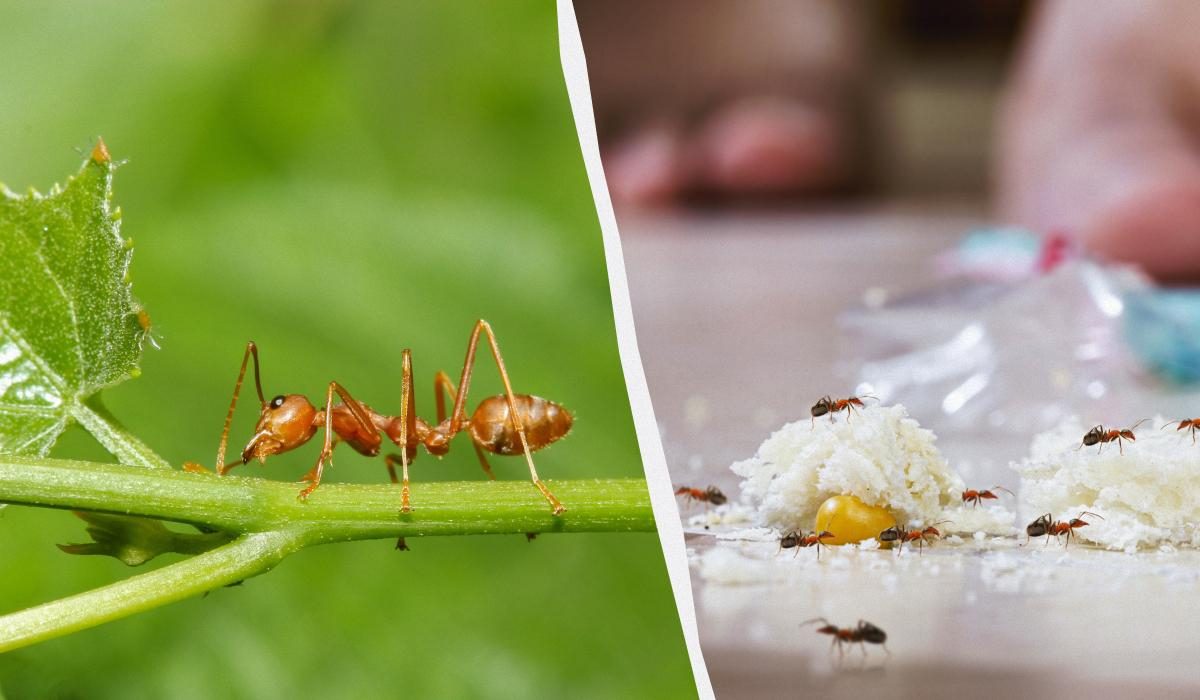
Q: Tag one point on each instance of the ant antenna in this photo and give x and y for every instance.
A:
(251, 350)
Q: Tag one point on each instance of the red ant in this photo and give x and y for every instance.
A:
(1047, 525)
(1099, 435)
(797, 539)
(863, 633)
(902, 535)
(829, 405)
(506, 424)
(973, 496)
(1189, 424)
(711, 495)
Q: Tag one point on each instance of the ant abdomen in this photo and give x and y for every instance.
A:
(545, 422)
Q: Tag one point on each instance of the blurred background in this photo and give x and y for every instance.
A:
(864, 100)
(339, 181)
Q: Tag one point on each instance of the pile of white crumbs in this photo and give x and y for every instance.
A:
(1147, 496)
(879, 455)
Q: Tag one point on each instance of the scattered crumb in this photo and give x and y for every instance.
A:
(728, 567)
(724, 514)
(752, 534)
(992, 519)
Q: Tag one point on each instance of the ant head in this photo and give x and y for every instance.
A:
(1093, 436)
(870, 633)
(822, 407)
(825, 534)
(286, 422)
(890, 535)
(715, 496)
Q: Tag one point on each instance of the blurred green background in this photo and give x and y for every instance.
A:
(339, 181)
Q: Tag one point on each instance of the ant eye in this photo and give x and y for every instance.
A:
(277, 402)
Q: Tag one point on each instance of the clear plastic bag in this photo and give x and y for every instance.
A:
(988, 360)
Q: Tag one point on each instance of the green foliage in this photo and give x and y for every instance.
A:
(68, 320)
(338, 181)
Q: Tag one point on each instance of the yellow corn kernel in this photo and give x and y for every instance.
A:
(851, 520)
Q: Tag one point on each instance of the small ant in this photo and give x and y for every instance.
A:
(973, 496)
(798, 539)
(506, 424)
(863, 633)
(829, 405)
(1099, 435)
(1047, 525)
(712, 494)
(901, 535)
(1189, 424)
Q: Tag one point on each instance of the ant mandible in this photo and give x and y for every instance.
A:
(832, 406)
(1189, 424)
(506, 424)
(796, 539)
(1047, 525)
(902, 535)
(862, 634)
(712, 494)
(1099, 435)
(973, 496)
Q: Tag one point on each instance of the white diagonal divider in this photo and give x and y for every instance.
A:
(662, 498)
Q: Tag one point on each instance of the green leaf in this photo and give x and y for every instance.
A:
(69, 324)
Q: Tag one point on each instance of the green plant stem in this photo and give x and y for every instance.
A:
(270, 523)
(336, 512)
(246, 556)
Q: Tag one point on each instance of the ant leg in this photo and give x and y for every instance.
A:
(390, 461)
(222, 468)
(442, 387)
(408, 425)
(357, 411)
(458, 417)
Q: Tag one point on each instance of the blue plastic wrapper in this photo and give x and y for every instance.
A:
(1162, 327)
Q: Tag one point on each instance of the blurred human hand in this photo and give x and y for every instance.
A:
(1101, 133)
